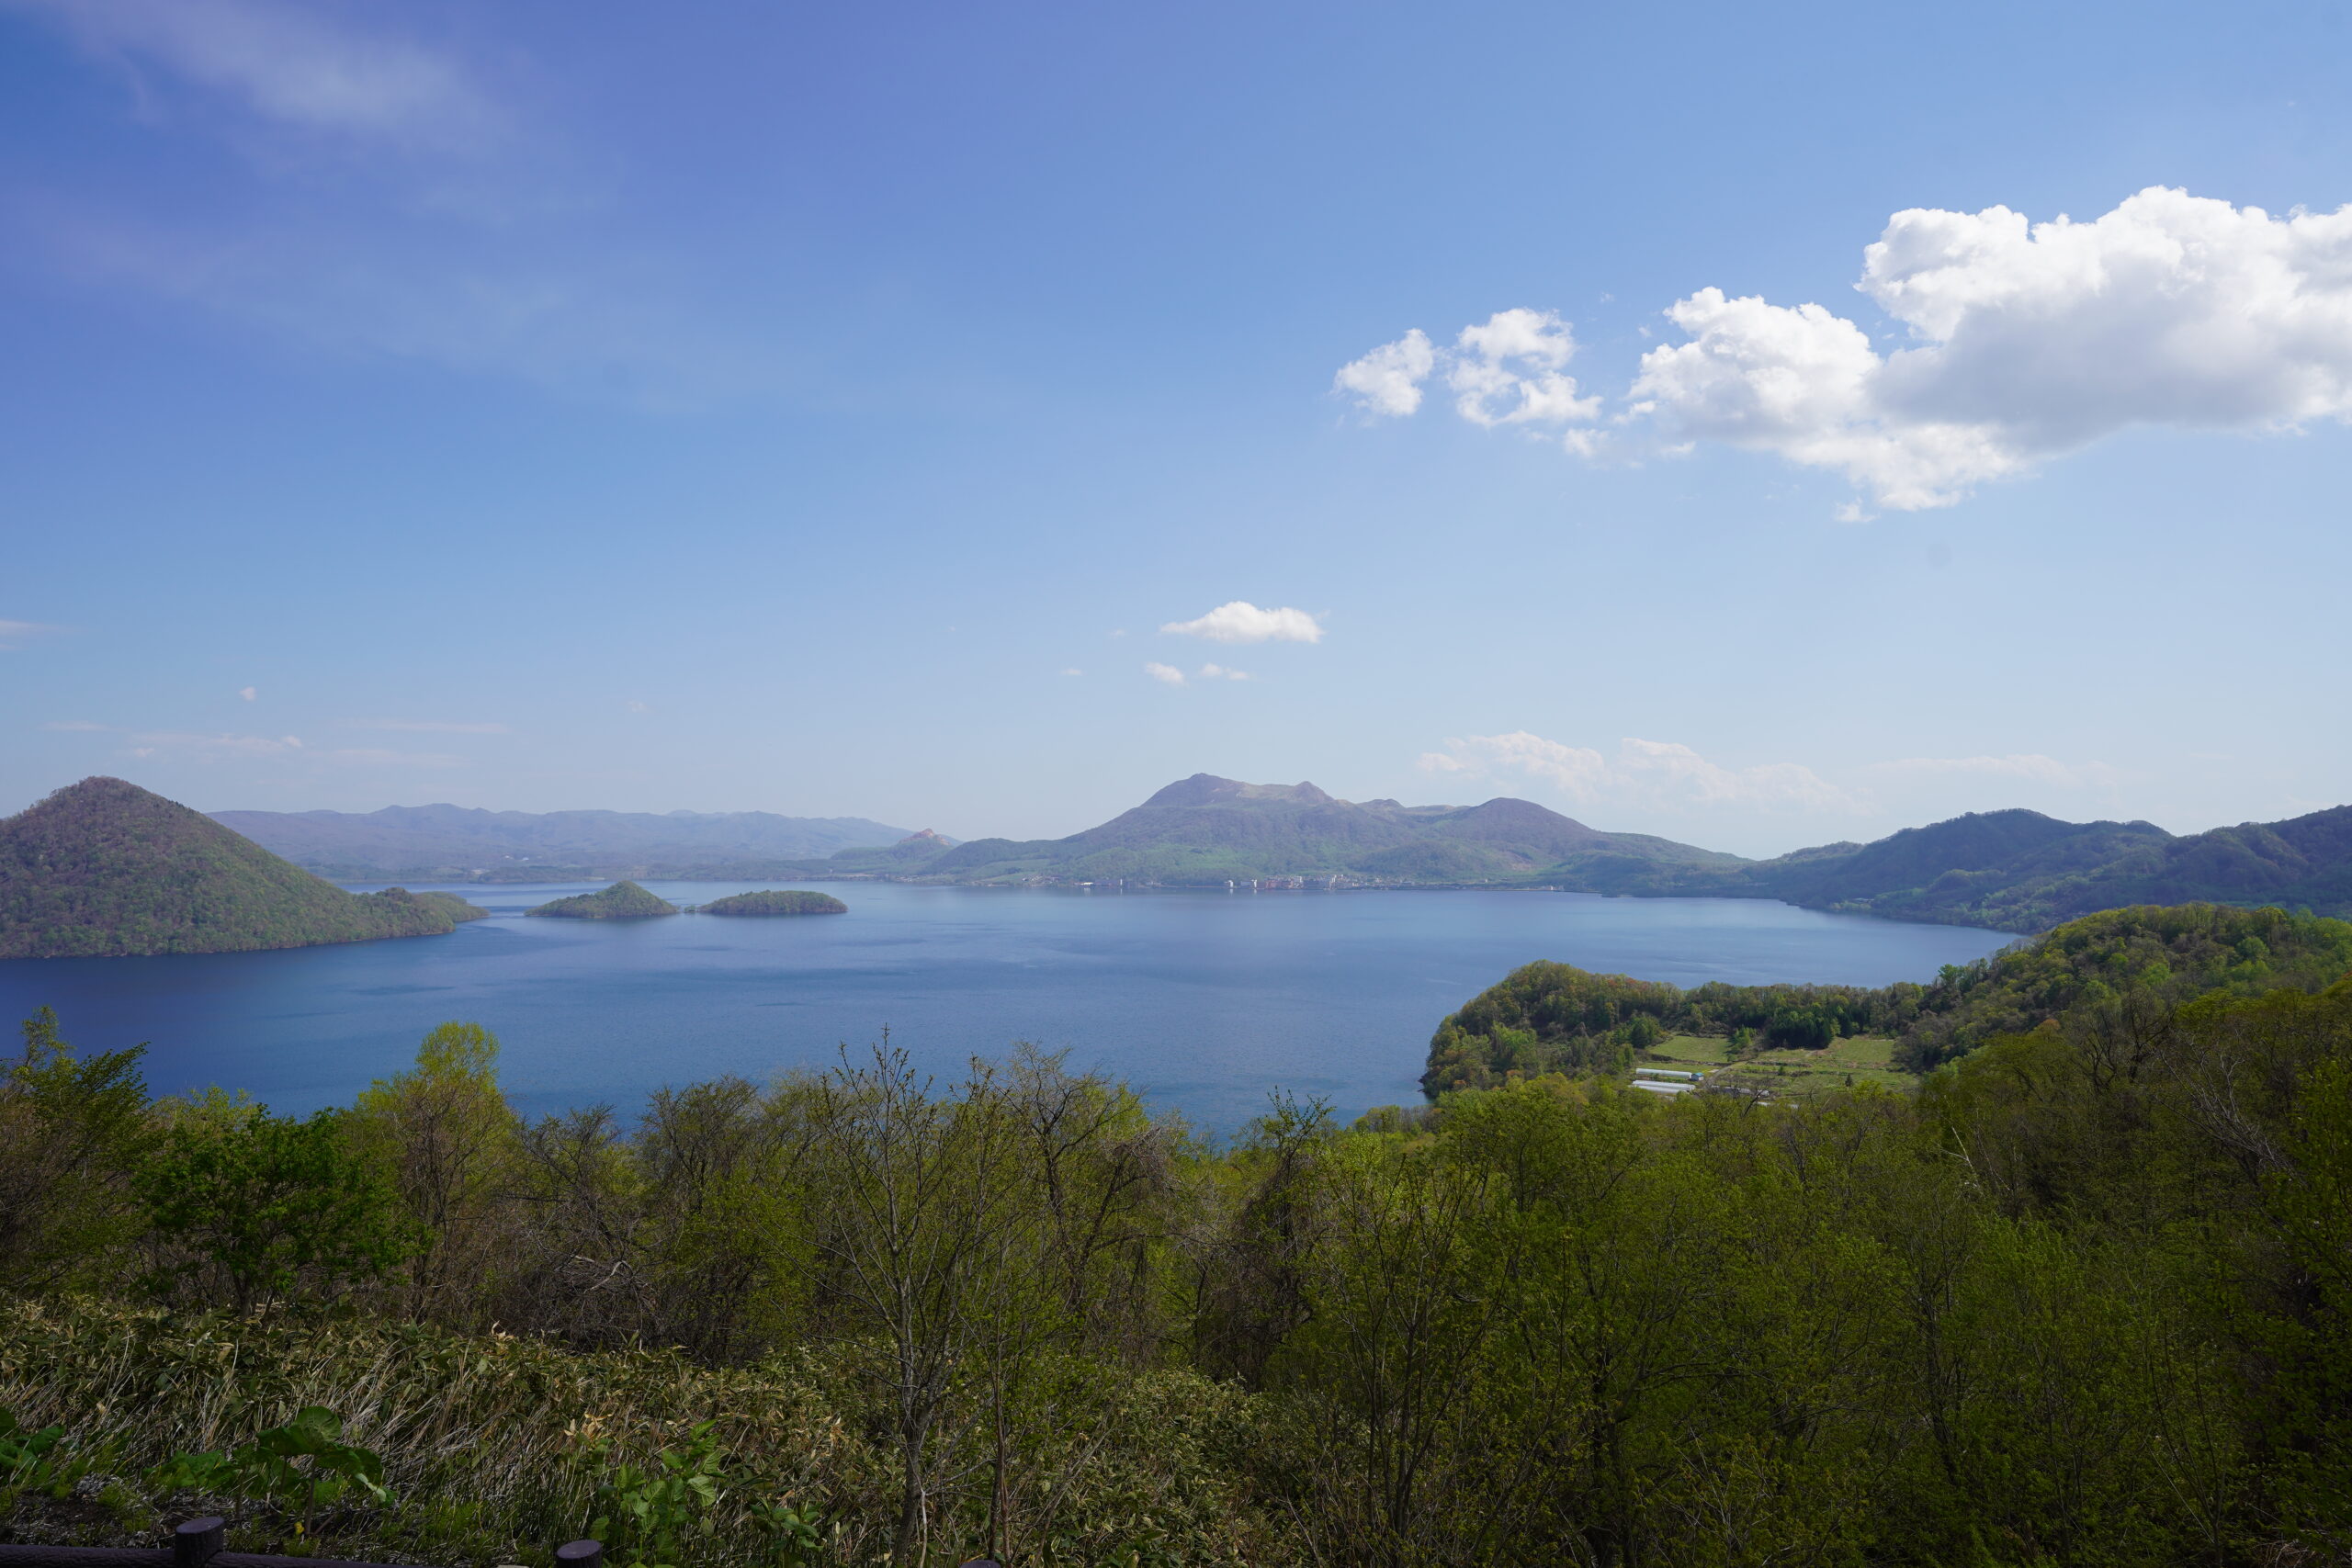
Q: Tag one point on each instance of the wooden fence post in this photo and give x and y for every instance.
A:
(197, 1542)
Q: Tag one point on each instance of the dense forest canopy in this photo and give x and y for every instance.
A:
(622, 901)
(105, 868)
(2086, 1298)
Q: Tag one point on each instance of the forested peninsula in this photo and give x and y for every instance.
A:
(2079, 1300)
(105, 868)
(2114, 971)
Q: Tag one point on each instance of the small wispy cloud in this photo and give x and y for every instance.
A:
(1661, 774)
(12, 633)
(1166, 674)
(296, 65)
(426, 726)
(204, 747)
(1073, 670)
(248, 692)
(371, 757)
(1241, 621)
(2031, 766)
(1219, 672)
(633, 705)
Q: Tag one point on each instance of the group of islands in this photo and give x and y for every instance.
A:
(625, 900)
(105, 868)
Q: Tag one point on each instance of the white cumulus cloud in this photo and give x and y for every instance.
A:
(1510, 370)
(1654, 773)
(1241, 621)
(2015, 341)
(1388, 381)
(1166, 674)
(2025, 340)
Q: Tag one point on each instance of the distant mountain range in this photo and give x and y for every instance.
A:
(105, 868)
(2010, 869)
(451, 843)
(1206, 829)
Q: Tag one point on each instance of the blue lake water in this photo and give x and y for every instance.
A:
(1207, 1001)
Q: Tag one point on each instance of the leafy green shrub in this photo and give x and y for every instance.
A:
(271, 1469)
(25, 1458)
(646, 1516)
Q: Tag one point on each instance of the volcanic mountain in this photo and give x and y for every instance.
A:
(105, 868)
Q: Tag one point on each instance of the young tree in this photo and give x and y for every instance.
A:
(929, 1249)
(260, 1208)
(446, 1133)
(72, 1129)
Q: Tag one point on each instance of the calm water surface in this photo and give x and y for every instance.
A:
(1207, 1001)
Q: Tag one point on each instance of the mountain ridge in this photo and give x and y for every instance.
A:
(453, 843)
(2009, 870)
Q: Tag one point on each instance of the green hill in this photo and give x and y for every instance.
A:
(2023, 871)
(778, 901)
(621, 901)
(105, 868)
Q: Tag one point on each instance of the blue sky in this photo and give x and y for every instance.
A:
(823, 411)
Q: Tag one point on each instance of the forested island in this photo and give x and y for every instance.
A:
(622, 901)
(2080, 1299)
(105, 868)
(777, 901)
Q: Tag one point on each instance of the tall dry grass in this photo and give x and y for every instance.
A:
(493, 1444)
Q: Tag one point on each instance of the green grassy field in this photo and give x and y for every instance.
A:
(1787, 1074)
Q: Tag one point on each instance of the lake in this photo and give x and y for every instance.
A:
(1207, 1001)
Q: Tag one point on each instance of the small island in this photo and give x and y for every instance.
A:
(621, 901)
(778, 901)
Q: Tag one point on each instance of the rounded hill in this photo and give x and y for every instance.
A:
(621, 901)
(105, 868)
